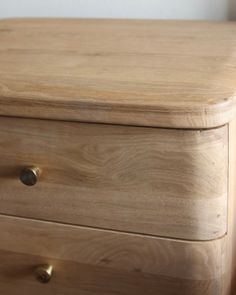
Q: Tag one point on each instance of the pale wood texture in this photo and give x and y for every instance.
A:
(105, 262)
(70, 278)
(230, 283)
(156, 73)
(155, 181)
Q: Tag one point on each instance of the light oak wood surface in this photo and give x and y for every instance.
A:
(162, 182)
(118, 209)
(17, 277)
(230, 282)
(178, 74)
(106, 262)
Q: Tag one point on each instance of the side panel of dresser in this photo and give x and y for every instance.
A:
(90, 262)
(162, 182)
(230, 278)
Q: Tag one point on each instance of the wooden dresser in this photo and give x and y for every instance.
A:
(117, 157)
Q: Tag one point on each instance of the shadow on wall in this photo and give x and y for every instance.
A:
(232, 9)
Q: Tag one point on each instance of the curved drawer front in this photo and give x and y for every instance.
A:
(163, 182)
(89, 261)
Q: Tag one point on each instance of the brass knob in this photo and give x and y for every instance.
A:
(30, 175)
(43, 273)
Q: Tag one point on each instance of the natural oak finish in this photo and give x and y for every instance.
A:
(112, 208)
(230, 282)
(178, 74)
(161, 182)
(16, 277)
(105, 262)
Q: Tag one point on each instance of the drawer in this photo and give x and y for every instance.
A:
(162, 182)
(89, 261)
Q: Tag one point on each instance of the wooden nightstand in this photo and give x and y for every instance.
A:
(118, 157)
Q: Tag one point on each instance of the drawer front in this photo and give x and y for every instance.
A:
(89, 261)
(163, 182)
(17, 272)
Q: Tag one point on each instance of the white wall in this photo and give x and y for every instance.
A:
(177, 9)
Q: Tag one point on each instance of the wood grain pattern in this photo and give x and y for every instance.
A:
(230, 282)
(177, 74)
(16, 273)
(155, 181)
(232, 208)
(107, 262)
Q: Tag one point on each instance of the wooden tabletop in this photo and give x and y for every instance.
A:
(177, 74)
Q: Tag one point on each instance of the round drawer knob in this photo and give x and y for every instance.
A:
(29, 175)
(43, 273)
